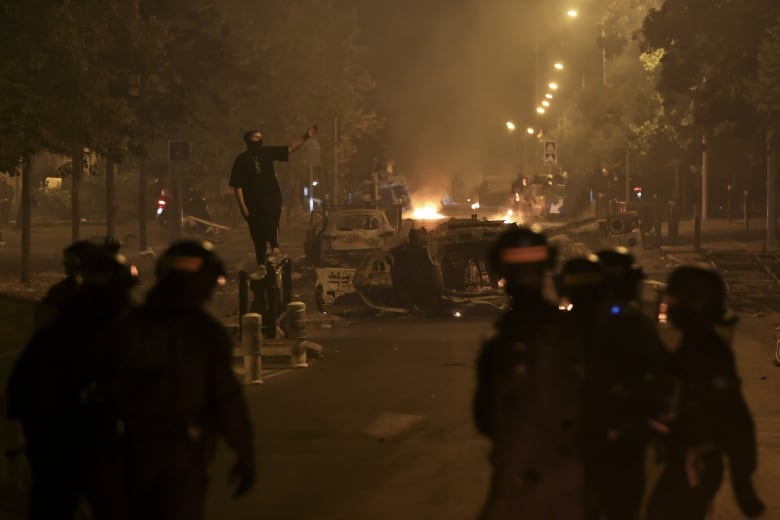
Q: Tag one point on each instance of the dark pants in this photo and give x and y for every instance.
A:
(674, 499)
(264, 229)
(615, 480)
(165, 481)
(54, 490)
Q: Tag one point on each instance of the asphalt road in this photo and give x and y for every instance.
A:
(381, 427)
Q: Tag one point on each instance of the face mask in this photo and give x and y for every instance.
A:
(255, 146)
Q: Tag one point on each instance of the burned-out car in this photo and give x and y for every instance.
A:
(338, 243)
(344, 237)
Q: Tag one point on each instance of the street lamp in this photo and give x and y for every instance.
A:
(558, 66)
(572, 13)
(548, 96)
(546, 104)
(510, 126)
(553, 85)
(540, 110)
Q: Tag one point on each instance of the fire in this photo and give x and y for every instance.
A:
(429, 211)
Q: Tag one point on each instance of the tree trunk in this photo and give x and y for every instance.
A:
(771, 199)
(142, 203)
(77, 168)
(26, 227)
(110, 202)
(705, 167)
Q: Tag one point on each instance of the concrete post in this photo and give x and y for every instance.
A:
(251, 342)
(296, 324)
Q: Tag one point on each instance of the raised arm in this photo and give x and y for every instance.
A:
(310, 132)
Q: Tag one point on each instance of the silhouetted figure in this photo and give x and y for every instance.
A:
(74, 258)
(709, 416)
(50, 387)
(174, 390)
(582, 289)
(257, 189)
(626, 366)
(528, 393)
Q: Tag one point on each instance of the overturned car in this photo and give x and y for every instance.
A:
(436, 266)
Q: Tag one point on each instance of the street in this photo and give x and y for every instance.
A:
(381, 426)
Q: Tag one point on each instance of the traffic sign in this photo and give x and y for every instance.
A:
(178, 150)
(550, 153)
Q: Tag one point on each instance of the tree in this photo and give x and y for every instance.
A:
(304, 66)
(710, 56)
(765, 96)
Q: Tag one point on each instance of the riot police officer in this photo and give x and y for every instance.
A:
(581, 287)
(74, 260)
(49, 387)
(710, 418)
(626, 367)
(527, 396)
(174, 390)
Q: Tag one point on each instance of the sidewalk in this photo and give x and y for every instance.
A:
(718, 234)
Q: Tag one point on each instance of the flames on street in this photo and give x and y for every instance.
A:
(428, 211)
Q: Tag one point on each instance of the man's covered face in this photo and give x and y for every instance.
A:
(255, 144)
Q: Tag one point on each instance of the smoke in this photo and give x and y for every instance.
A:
(450, 79)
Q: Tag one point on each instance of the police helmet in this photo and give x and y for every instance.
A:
(622, 274)
(696, 292)
(520, 246)
(583, 274)
(196, 257)
(75, 255)
(103, 267)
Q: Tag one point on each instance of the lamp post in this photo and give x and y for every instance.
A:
(510, 126)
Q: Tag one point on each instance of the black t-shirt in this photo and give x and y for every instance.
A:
(255, 175)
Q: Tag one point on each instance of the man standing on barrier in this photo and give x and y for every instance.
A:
(257, 189)
(174, 390)
(527, 400)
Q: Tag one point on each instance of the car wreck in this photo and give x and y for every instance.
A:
(437, 266)
(338, 243)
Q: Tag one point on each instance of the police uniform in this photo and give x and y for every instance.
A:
(709, 416)
(626, 366)
(174, 391)
(527, 398)
(49, 387)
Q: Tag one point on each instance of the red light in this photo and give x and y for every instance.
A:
(637, 188)
(161, 203)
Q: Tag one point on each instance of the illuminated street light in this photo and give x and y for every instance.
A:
(572, 13)
(548, 96)
(510, 126)
(545, 103)
(530, 131)
(558, 66)
(540, 110)
(553, 85)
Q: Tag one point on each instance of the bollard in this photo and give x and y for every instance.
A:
(243, 297)
(746, 207)
(251, 343)
(696, 228)
(296, 324)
